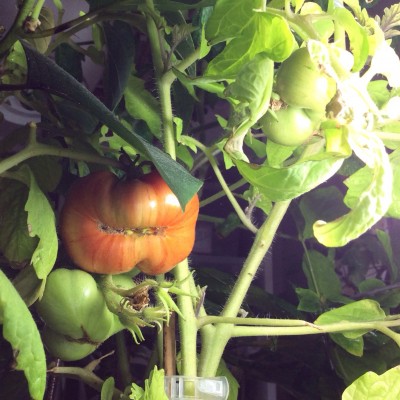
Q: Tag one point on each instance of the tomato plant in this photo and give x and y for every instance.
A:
(282, 115)
(109, 226)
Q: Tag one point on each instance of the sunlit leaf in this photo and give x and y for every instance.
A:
(40, 223)
(371, 386)
(371, 204)
(20, 330)
(263, 33)
(287, 183)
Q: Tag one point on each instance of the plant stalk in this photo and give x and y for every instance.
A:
(38, 149)
(212, 352)
(188, 324)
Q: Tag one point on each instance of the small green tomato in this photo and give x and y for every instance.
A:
(300, 83)
(291, 127)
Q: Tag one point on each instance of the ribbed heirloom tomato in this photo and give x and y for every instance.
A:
(109, 225)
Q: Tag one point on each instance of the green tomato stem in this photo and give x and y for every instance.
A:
(203, 321)
(17, 27)
(37, 9)
(122, 359)
(340, 327)
(241, 214)
(212, 351)
(38, 149)
(86, 376)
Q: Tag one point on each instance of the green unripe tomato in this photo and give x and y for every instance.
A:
(291, 127)
(65, 348)
(73, 305)
(300, 83)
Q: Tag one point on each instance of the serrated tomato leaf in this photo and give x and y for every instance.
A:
(40, 223)
(20, 330)
(44, 74)
(263, 33)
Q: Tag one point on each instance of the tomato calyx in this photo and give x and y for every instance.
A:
(145, 303)
(139, 231)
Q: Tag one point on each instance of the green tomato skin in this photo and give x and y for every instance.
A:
(73, 305)
(291, 128)
(66, 348)
(299, 83)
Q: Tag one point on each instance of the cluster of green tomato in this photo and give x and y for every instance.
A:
(304, 91)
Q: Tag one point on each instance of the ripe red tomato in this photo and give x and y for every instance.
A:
(109, 226)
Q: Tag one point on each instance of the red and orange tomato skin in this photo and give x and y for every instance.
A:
(109, 226)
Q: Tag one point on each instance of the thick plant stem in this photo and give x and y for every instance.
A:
(188, 324)
(212, 352)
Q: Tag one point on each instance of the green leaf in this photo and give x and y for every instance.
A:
(394, 209)
(322, 203)
(40, 222)
(70, 59)
(253, 85)
(263, 33)
(277, 153)
(354, 346)
(154, 386)
(47, 171)
(28, 285)
(321, 276)
(371, 386)
(233, 384)
(371, 204)
(229, 18)
(378, 90)
(20, 330)
(359, 311)
(287, 183)
(107, 389)
(350, 367)
(44, 74)
(137, 393)
(120, 45)
(370, 284)
(15, 242)
(357, 36)
(142, 105)
(384, 239)
(308, 300)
